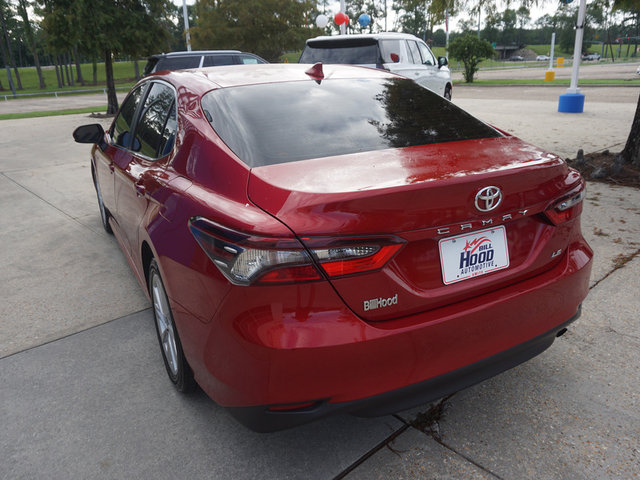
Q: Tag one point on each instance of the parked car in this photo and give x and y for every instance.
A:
(638, 71)
(516, 58)
(335, 238)
(591, 56)
(542, 58)
(396, 52)
(198, 59)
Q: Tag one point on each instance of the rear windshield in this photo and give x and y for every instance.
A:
(273, 123)
(353, 52)
(178, 63)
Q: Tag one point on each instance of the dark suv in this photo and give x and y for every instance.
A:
(197, 59)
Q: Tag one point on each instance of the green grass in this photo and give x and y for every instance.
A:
(52, 113)
(291, 57)
(123, 72)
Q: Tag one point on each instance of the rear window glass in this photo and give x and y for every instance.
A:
(178, 63)
(341, 53)
(216, 60)
(274, 123)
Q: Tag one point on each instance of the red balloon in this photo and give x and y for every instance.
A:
(340, 18)
(346, 19)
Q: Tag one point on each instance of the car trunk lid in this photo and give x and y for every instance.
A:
(425, 196)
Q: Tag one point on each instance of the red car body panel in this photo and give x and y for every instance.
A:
(260, 346)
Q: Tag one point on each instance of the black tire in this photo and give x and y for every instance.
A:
(447, 92)
(104, 212)
(176, 364)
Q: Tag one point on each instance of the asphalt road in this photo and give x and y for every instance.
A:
(84, 393)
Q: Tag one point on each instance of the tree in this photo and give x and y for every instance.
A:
(265, 27)
(631, 151)
(355, 8)
(22, 10)
(419, 16)
(107, 28)
(5, 14)
(470, 50)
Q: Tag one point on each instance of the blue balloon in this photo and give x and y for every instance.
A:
(364, 20)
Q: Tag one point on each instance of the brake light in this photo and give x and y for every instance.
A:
(359, 256)
(568, 207)
(248, 259)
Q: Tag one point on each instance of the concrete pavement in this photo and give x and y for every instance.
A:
(84, 393)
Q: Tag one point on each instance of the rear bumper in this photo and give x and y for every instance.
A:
(251, 360)
(261, 419)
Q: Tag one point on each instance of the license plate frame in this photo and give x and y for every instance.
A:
(474, 254)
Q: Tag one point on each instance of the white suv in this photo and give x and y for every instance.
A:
(397, 52)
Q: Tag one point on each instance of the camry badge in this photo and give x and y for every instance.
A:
(488, 198)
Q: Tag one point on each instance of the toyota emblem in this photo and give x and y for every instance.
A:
(488, 198)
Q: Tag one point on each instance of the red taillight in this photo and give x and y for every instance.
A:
(359, 265)
(568, 207)
(348, 256)
(248, 259)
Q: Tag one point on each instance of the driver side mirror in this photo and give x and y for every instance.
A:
(442, 62)
(93, 133)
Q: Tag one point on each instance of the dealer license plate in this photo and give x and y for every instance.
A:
(473, 254)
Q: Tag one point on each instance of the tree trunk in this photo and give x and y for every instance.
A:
(22, 10)
(18, 80)
(76, 57)
(58, 76)
(112, 99)
(9, 57)
(137, 69)
(631, 152)
(66, 68)
(94, 65)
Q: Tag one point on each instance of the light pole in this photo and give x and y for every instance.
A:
(186, 24)
(573, 100)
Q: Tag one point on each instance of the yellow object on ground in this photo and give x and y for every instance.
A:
(560, 62)
(549, 76)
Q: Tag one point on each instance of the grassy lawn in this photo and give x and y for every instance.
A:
(54, 113)
(123, 72)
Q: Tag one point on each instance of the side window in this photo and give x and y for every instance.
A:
(427, 55)
(391, 51)
(247, 60)
(121, 130)
(217, 60)
(155, 132)
(415, 53)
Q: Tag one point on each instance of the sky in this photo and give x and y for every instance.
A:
(548, 6)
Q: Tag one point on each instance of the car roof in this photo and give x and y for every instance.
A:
(196, 53)
(202, 80)
(374, 36)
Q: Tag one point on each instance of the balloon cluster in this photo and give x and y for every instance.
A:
(342, 18)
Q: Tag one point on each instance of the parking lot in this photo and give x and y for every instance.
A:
(85, 394)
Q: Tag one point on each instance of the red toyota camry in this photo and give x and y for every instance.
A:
(333, 238)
